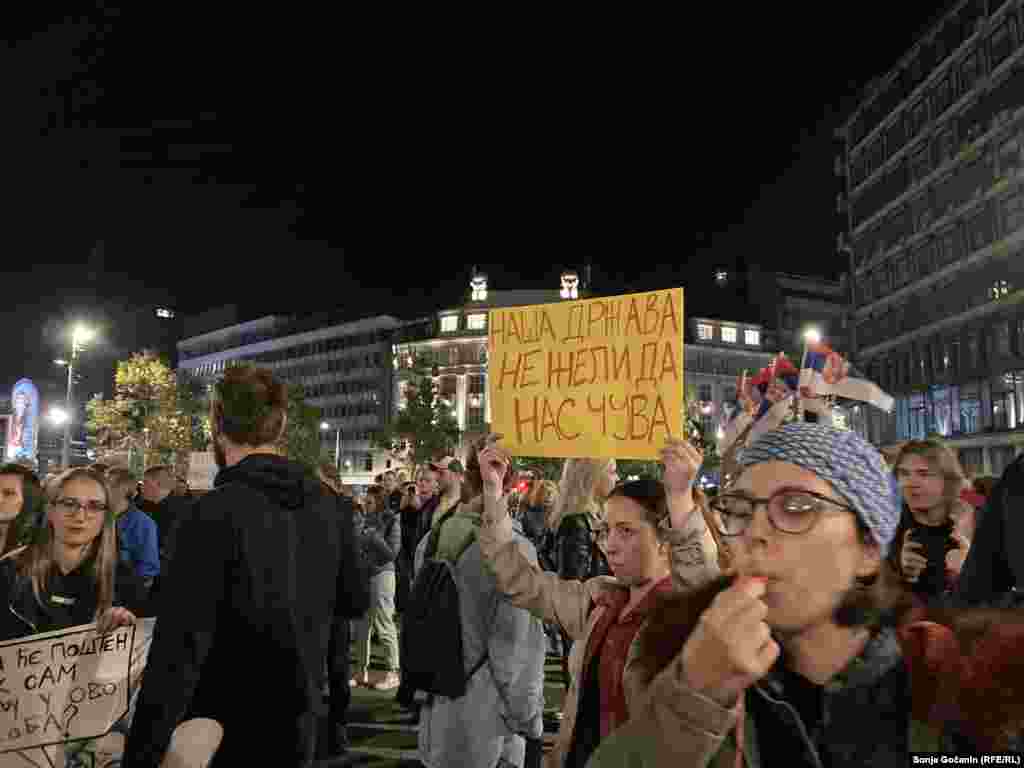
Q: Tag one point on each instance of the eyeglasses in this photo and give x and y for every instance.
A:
(789, 511)
(72, 507)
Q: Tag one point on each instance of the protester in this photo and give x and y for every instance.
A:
(449, 484)
(657, 540)
(136, 531)
(536, 518)
(69, 573)
(500, 717)
(993, 573)
(578, 518)
(394, 494)
(380, 535)
(353, 601)
(248, 596)
(795, 657)
(159, 501)
(22, 506)
(933, 538)
(417, 513)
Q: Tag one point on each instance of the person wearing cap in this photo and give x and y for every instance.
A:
(449, 482)
(798, 654)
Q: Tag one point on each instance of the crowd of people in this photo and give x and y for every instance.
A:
(828, 606)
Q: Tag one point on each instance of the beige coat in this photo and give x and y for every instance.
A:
(568, 603)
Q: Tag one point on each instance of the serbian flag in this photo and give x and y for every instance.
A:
(826, 372)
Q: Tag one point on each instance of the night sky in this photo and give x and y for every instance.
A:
(228, 159)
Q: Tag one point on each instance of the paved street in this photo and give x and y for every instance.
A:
(384, 736)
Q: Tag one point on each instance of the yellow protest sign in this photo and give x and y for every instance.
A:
(593, 378)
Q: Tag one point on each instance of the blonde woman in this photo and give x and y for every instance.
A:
(69, 574)
(936, 527)
(579, 516)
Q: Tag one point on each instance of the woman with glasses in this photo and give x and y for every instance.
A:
(656, 540)
(936, 526)
(799, 656)
(70, 574)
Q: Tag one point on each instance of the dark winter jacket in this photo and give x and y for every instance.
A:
(69, 600)
(994, 568)
(579, 557)
(248, 603)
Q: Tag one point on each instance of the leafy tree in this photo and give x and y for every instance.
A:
(146, 415)
(425, 427)
(301, 439)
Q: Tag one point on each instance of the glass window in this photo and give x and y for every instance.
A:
(979, 230)
(752, 338)
(705, 332)
(919, 416)
(972, 350)
(1013, 213)
(1002, 42)
(902, 271)
(917, 115)
(881, 280)
(942, 96)
(895, 137)
(970, 409)
(1000, 289)
(729, 334)
(969, 73)
(948, 248)
(1003, 337)
(704, 393)
(476, 322)
(947, 144)
(449, 323)
(920, 165)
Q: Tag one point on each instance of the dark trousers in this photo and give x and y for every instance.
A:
(338, 673)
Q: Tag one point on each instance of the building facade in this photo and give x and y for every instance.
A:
(933, 173)
(345, 370)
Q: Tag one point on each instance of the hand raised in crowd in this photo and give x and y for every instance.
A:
(732, 647)
(682, 463)
(114, 618)
(912, 561)
(955, 557)
(494, 465)
(743, 397)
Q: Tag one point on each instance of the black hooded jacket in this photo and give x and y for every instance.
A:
(259, 573)
(993, 573)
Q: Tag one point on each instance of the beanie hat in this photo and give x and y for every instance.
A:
(855, 469)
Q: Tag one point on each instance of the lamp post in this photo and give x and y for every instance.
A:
(337, 444)
(80, 336)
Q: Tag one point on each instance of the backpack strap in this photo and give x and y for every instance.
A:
(435, 534)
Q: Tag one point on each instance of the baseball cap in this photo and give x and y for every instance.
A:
(449, 463)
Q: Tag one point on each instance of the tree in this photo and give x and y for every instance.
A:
(425, 427)
(146, 416)
(301, 439)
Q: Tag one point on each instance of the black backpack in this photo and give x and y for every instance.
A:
(431, 637)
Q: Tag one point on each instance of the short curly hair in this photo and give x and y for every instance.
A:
(250, 406)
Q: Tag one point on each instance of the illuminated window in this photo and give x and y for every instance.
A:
(705, 332)
(476, 322)
(1000, 288)
(729, 334)
(449, 323)
(721, 277)
(752, 338)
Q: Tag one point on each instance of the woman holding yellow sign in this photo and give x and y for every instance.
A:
(656, 539)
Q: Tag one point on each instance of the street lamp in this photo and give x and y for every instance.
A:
(58, 416)
(812, 336)
(324, 426)
(80, 336)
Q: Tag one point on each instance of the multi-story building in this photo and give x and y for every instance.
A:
(344, 368)
(934, 199)
(454, 345)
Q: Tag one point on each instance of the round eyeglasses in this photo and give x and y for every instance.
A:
(789, 511)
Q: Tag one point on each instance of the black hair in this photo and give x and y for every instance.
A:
(649, 493)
